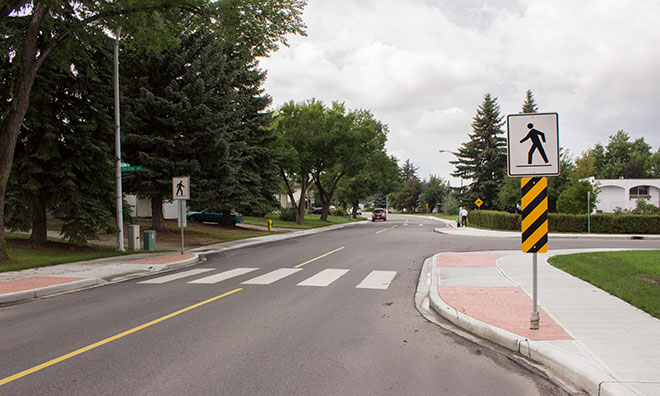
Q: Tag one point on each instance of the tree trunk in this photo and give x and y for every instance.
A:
(355, 208)
(157, 218)
(39, 221)
(10, 126)
(226, 217)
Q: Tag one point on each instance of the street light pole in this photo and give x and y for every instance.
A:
(120, 214)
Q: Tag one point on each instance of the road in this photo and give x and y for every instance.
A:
(327, 314)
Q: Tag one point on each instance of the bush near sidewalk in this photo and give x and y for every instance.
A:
(602, 223)
(633, 276)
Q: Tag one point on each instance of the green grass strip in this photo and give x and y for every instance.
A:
(633, 276)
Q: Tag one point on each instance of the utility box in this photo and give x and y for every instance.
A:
(150, 240)
(133, 237)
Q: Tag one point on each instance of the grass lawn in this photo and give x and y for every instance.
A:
(311, 221)
(25, 254)
(198, 234)
(633, 276)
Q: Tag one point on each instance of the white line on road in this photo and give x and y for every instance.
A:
(209, 280)
(377, 280)
(178, 275)
(324, 278)
(271, 277)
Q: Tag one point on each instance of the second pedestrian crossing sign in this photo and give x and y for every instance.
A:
(533, 144)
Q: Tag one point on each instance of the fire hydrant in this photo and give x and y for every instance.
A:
(270, 225)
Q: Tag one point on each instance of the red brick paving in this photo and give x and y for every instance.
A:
(166, 259)
(33, 282)
(508, 308)
(468, 260)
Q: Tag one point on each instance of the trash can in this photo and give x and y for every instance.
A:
(150, 240)
(134, 237)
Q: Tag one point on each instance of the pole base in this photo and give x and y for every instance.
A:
(534, 322)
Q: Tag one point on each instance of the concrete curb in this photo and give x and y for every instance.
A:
(580, 372)
(131, 271)
(48, 290)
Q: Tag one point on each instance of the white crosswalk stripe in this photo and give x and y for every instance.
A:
(209, 280)
(178, 275)
(324, 278)
(377, 280)
(272, 276)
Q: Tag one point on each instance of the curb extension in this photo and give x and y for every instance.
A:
(149, 269)
(89, 282)
(570, 367)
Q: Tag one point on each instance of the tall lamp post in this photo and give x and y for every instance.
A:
(120, 214)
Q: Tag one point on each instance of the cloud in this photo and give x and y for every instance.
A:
(423, 67)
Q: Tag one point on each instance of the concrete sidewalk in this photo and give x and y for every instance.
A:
(602, 344)
(43, 281)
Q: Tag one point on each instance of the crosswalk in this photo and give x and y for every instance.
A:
(375, 280)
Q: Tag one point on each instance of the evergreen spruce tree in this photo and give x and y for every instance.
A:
(530, 105)
(63, 159)
(483, 158)
(202, 115)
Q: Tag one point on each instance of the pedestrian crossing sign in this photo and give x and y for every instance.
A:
(533, 144)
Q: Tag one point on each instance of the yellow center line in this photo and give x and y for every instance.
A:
(319, 257)
(110, 339)
(386, 229)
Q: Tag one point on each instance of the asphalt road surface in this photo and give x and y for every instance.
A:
(326, 314)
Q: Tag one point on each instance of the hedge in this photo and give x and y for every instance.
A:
(603, 223)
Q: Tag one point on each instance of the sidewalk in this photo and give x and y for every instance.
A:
(602, 344)
(43, 281)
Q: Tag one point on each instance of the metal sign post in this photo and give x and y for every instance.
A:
(181, 192)
(533, 152)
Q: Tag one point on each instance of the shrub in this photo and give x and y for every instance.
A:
(494, 219)
(339, 212)
(604, 223)
(288, 215)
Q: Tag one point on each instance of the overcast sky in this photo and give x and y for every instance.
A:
(423, 67)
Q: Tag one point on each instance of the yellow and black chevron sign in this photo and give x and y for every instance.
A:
(534, 214)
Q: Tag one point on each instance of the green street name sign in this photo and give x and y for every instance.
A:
(130, 168)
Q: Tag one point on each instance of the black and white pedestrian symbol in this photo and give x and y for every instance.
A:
(533, 144)
(181, 187)
(536, 137)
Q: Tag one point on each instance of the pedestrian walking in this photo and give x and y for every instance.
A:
(464, 216)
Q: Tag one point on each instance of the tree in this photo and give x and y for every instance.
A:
(408, 197)
(434, 191)
(573, 199)
(44, 30)
(530, 105)
(293, 124)
(483, 157)
(408, 171)
(343, 148)
(202, 115)
(380, 175)
(63, 154)
(621, 158)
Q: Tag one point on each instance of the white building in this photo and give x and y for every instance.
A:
(624, 193)
(142, 207)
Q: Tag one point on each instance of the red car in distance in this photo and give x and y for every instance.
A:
(379, 214)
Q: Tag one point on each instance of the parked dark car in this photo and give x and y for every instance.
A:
(379, 214)
(213, 216)
(316, 211)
